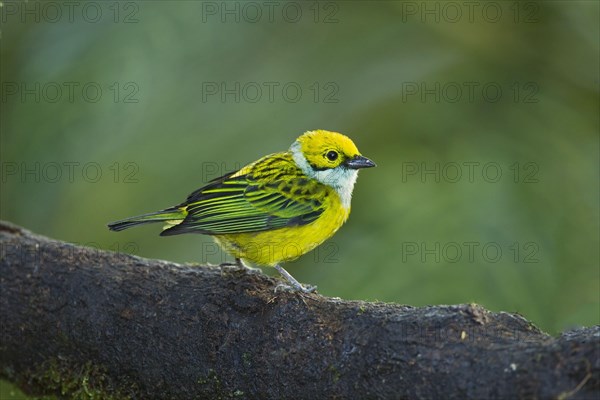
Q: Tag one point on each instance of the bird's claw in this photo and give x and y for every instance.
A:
(282, 287)
(239, 267)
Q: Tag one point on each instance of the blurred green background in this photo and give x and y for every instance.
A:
(483, 121)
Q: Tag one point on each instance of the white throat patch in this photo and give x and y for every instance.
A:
(341, 179)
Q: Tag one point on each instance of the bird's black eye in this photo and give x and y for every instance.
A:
(332, 155)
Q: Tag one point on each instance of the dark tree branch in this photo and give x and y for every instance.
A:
(77, 320)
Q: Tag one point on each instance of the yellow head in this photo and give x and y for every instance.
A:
(332, 159)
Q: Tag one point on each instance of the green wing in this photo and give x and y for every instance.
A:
(272, 193)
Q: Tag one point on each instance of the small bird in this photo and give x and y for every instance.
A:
(274, 209)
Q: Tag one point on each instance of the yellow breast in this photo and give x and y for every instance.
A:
(268, 248)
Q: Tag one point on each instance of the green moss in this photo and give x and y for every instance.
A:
(86, 382)
(9, 391)
(212, 380)
(247, 360)
(335, 373)
(216, 388)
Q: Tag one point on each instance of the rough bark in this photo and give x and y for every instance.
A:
(84, 322)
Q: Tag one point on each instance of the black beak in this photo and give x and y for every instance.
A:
(358, 162)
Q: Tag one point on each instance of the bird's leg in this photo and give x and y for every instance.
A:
(295, 284)
(240, 263)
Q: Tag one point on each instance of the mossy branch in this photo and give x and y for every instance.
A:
(84, 323)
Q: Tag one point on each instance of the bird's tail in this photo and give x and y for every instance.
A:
(172, 216)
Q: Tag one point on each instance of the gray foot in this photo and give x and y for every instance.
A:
(293, 283)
